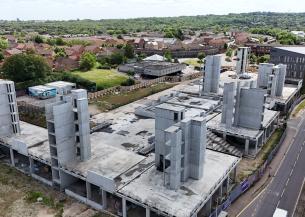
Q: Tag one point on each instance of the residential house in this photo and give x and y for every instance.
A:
(241, 38)
(65, 64)
(12, 41)
(219, 42)
(139, 43)
(11, 52)
(92, 49)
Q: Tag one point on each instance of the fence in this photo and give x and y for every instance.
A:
(124, 89)
(248, 182)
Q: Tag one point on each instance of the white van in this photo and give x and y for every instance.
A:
(280, 213)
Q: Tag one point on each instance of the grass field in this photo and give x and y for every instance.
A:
(110, 102)
(19, 194)
(103, 78)
(193, 62)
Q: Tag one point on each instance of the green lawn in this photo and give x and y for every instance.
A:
(104, 78)
(193, 62)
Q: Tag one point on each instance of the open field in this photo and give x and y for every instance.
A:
(19, 194)
(248, 166)
(104, 78)
(110, 102)
(193, 62)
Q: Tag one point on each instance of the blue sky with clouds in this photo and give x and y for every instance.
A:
(104, 9)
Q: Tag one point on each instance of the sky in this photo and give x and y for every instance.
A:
(105, 9)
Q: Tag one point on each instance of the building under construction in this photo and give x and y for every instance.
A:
(170, 154)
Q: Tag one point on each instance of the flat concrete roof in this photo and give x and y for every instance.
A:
(106, 160)
(225, 77)
(150, 190)
(194, 102)
(215, 124)
(295, 49)
(30, 134)
(288, 92)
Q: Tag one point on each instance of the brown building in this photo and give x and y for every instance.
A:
(260, 49)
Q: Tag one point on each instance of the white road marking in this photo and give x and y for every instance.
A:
(295, 206)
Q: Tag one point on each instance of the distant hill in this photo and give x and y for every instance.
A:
(244, 21)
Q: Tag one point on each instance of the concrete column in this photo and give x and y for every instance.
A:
(234, 175)
(221, 191)
(147, 212)
(104, 198)
(256, 144)
(224, 136)
(247, 147)
(88, 188)
(208, 207)
(12, 157)
(124, 210)
(228, 185)
(31, 165)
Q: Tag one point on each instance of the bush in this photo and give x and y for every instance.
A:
(228, 59)
(128, 82)
(229, 52)
(87, 61)
(38, 39)
(25, 67)
(105, 66)
(130, 73)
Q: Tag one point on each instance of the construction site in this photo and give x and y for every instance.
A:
(174, 153)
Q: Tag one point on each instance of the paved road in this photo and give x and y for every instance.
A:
(284, 188)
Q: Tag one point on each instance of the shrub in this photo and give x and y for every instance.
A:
(128, 82)
(25, 67)
(87, 61)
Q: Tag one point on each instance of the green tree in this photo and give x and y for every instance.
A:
(3, 44)
(25, 67)
(116, 58)
(229, 52)
(253, 59)
(226, 46)
(60, 52)
(60, 42)
(128, 51)
(168, 56)
(263, 59)
(201, 56)
(128, 82)
(1, 56)
(38, 39)
(87, 61)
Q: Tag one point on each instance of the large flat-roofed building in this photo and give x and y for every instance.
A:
(153, 68)
(121, 157)
(293, 57)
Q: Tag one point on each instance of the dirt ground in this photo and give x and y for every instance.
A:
(247, 166)
(16, 188)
